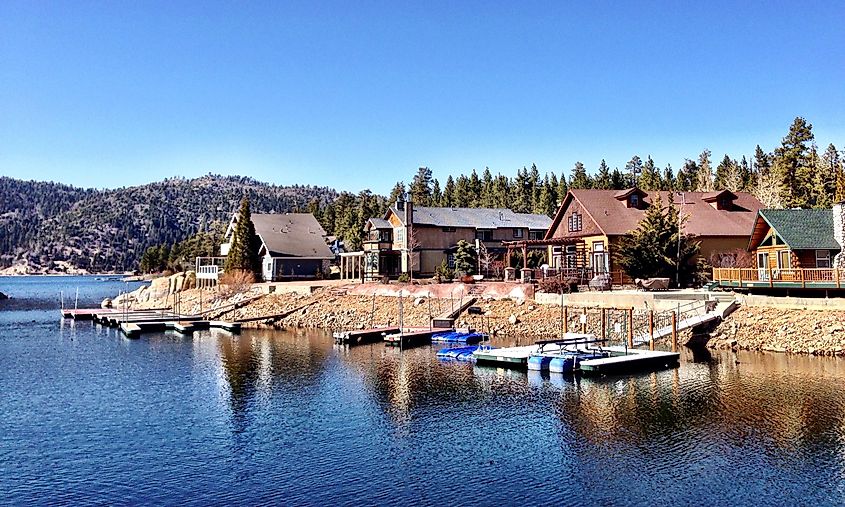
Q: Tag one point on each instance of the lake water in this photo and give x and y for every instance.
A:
(89, 417)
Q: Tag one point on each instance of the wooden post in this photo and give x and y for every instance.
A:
(836, 270)
(524, 257)
(771, 281)
(803, 281)
(740, 277)
(631, 328)
(584, 321)
(651, 329)
(674, 332)
(565, 319)
(603, 324)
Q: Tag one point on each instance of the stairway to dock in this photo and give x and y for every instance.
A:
(446, 320)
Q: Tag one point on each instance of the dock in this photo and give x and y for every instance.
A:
(362, 336)
(408, 339)
(511, 357)
(135, 329)
(634, 361)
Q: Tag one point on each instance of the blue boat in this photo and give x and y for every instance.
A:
(468, 337)
(539, 362)
(460, 353)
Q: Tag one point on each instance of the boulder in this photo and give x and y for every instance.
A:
(513, 319)
(419, 301)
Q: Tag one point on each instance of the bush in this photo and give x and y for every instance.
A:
(404, 278)
(556, 285)
(236, 281)
(443, 273)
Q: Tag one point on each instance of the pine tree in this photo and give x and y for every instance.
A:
(835, 164)
(420, 188)
(658, 247)
(474, 190)
(579, 177)
(487, 198)
(634, 168)
(522, 192)
(501, 195)
(562, 188)
(462, 197)
(547, 202)
(448, 199)
(667, 182)
(534, 185)
(243, 252)
(825, 170)
(791, 165)
(436, 194)
(617, 179)
(465, 258)
(650, 179)
(704, 173)
(603, 180)
(397, 193)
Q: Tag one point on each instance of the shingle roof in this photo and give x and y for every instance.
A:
(380, 223)
(615, 218)
(479, 218)
(803, 229)
(292, 235)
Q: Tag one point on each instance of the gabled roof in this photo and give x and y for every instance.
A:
(291, 235)
(379, 223)
(800, 229)
(614, 218)
(478, 218)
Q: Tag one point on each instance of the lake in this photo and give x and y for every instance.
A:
(287, 417)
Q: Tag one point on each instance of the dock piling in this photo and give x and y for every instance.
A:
(631, 328)
(674, 332)
(651, 329)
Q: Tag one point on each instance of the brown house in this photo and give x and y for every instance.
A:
(590, 223)
(420, 238)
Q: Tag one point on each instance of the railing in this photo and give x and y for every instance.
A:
(797, 276)
(209, 268)
(583, 275)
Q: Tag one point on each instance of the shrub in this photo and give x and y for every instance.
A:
(443, 273)
(557, 285)
(236, 281)
(404, 278)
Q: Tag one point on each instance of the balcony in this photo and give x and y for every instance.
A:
(780, 278)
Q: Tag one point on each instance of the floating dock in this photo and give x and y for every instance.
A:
(135, 329)
(409, 339)
(511, 357)
(362, 336)
(634, 361)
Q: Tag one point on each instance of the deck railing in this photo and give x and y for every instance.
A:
(583, 275)
(209, 268)
(802, 277)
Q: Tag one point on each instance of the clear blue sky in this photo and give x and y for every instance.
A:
(359, 94)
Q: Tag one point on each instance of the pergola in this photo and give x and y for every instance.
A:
(352, 266)
(524, 244)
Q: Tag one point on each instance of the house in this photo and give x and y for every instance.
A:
(420, 238)
(293, 246)
(792, 249)
(590, 223)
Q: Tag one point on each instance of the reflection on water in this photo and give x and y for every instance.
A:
(289, 417)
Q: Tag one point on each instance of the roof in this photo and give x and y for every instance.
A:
(380, 223)
(291, 235)
(801, 229)
(614, 218)
(477, 218)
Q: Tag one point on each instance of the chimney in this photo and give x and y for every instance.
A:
(839, 233)
(409, 213)
(400, 204)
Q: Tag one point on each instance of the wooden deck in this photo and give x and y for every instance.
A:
(786, 278)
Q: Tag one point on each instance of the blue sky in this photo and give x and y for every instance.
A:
(359, 94)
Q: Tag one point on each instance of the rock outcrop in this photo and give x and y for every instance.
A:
(3, 296)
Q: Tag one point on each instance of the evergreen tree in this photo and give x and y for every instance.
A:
(745, 176)
(501, 196)
(465, 258)
(547, 202)
(462, 197)
(243, 252)
(617, 179)
(834, 164)
(562, 188)
(603, 179)
(579, 177)
(762, 160)
(487, 198)
(436, 194)
(791, 165)
(522, 192)
(667, 182)
(704, 173)
(824, 176)
(534, 185)
(420, 189)
(474, 190)
(688, 176)
(397, 193)
(650, 179)
(448, 199)
(658, 247)
(634, 168)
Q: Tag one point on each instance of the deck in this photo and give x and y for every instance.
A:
(786, 278)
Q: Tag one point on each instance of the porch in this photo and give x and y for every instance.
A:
(780, 278)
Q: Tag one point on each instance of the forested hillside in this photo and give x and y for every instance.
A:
(108, 230)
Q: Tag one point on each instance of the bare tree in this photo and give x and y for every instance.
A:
(767, 190)
(485, 259)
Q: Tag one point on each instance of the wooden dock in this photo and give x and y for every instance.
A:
(362, 336)
(447, 319)
(511, 357)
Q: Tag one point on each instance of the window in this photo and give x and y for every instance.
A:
(784, 259)
(387, 236)
(571, 256)
(450, 260)
(599, 257)
(400, 235)
(575, 222)
(517, 233)
(448, 229)
(822, 258)
(536, 235)
(635, 201)
(483, 235)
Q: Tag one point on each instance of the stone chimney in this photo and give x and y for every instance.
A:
(839, 233)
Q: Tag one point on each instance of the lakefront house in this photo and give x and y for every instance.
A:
(293, 246)
(418, 239)
(590, 223)
(791, 249)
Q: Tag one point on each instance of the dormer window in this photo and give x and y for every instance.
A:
(634, 201)
(574, 222)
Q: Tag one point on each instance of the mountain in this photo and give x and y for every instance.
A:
(48, 226)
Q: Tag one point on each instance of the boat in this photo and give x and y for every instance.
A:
(464, 354)
(468, 337)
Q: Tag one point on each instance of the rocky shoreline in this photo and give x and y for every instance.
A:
(815, 332)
